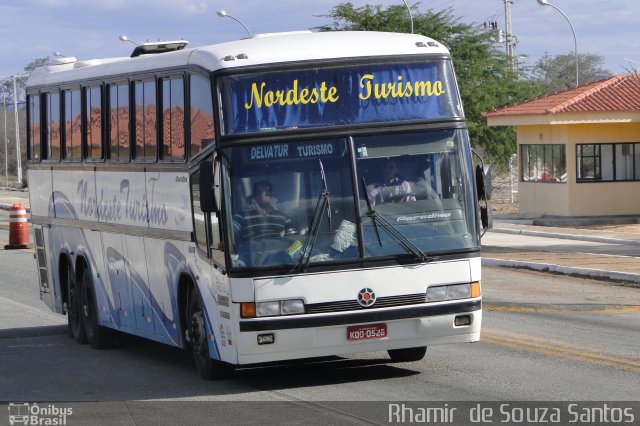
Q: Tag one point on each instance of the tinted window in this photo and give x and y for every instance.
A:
(52, 131)
(202, 131)
(119, 122)
(173, 118)
(146, 120)
(72, 125)
(94, 122)
(34, 127)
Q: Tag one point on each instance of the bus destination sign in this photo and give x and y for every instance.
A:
(362, 94)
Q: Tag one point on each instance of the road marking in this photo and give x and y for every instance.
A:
(554, 349)
(598, 309)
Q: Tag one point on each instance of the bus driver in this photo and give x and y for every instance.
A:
(261, 219)
(394, 189)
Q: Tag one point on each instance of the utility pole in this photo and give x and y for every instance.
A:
(508, 39)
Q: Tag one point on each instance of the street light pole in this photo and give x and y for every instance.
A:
(224, 14)
(575, 39)
(410, 15)
(15, 107)
(17, 120)
(6, 141)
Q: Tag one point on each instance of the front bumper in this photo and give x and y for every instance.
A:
(306, 336)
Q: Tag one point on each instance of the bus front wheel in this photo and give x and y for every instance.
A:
(408, 354)
(208, 368)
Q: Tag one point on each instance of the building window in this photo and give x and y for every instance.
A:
(119, 122)
(173, 119)
(608, 162)
(544, 163)
(145, 120)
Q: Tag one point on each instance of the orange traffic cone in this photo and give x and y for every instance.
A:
(18, 228)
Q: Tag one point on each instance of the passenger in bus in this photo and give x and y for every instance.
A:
(394, 189)
(261, 219)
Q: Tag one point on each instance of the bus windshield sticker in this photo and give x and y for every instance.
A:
(287, 100)
(292, 151)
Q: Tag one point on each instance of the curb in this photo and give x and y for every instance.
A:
(564, 270)
(589, 238)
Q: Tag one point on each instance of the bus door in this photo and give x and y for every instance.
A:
(46, 295)
(40, 196)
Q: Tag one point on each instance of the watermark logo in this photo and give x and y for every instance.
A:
(24, 413)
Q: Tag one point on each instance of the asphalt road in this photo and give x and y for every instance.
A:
(544, 338)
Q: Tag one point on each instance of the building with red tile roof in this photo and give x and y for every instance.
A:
(579, 150)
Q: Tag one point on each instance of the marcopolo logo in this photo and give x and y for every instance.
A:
(34, 414)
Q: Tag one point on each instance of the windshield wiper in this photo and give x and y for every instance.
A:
(322, 205)
(392, 230)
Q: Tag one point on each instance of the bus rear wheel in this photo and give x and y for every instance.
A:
(408, 354)
(74, 319)
(209, 369)
(98, 337)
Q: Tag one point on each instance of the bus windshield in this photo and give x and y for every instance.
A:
(412, 199)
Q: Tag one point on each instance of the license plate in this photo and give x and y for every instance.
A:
(363, 332)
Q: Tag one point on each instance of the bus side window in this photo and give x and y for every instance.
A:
(93, 123)
(119, 122)
(34, 127)
(72, 113)
(199, 217)
(173, 138)
(52, 130)
(201, 113)
(206, 226)
(145, 121)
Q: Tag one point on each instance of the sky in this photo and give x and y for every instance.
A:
(89, 29)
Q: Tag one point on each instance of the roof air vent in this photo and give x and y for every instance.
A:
(154, 47)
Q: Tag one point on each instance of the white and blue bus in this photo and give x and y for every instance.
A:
(279, 197)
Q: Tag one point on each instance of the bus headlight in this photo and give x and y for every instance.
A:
(268, 309)
(459, 291)
(280, 307)
(290, 307)
(437, 294)
(452, 292)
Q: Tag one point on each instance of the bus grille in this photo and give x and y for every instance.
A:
(353, 305)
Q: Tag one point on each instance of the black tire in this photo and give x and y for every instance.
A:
(75, 326)
(209, 369)
(98, 337)
(408, 354)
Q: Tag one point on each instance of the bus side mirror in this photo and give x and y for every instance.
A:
(486, 220)
(483, 186)
(483, 182)
(208, 202)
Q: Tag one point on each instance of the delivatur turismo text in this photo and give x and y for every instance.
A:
(369, 89)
